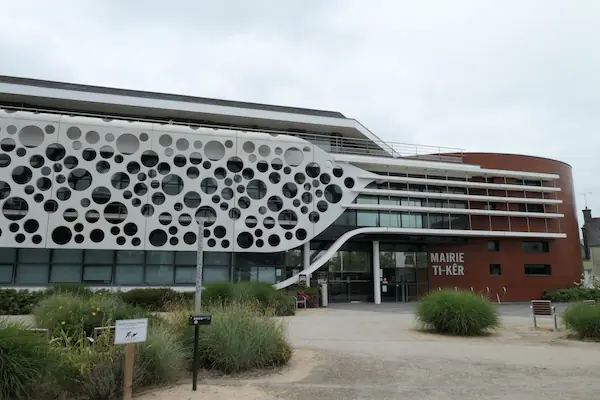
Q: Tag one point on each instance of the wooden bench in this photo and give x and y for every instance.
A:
(543, 308)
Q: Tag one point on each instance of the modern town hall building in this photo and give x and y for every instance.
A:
(105, 186)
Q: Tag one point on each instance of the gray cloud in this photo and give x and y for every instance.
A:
(507, 76)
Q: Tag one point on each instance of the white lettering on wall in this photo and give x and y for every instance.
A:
(449, 264)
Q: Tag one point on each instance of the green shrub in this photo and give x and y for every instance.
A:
(457, 313)
(219, 293)
(70, 313)
(18, 302)
(269, 298)
(573, 294)
(584, 319)
(153, 299)
(241, 337)
(162, 355)
(26, 362)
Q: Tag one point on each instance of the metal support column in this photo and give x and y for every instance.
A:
(376, 273)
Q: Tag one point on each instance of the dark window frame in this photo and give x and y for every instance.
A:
(547, 269)
(495, 269)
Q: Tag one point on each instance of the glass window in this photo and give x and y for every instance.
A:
(493, 245)
(129, 274)
(97, 273)
(266, 274)
(367, 218)
(215, 274)
(186, 258)
(217, 258)
(159, 274)
(67, 256)
(8, 255)
(536, 208)
(495, 269)
(411, 220)
(32, 274)
(132, 257)
(65, 273)
(348, 218)
(6, 273)
(99, 256)
(293, 258)
(34, 256)
(538, 270)
(535, 247)
(185, 275)
(160, 258)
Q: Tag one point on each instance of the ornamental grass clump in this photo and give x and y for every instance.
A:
(584, 320)
(457, 313)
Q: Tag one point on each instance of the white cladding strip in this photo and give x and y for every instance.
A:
(438, 210)
(319, 262)
(441, 166)
(457, 196)
(469, 184)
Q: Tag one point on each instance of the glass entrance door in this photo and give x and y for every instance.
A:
(350, 277)
(403, 276)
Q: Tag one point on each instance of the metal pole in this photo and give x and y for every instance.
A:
(196, 358)
(199, 264)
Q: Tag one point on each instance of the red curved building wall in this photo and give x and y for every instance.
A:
(564, 255)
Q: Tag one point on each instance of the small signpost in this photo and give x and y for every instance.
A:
(129, 332)
(196, 321)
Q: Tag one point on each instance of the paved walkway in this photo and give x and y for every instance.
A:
(362, 351)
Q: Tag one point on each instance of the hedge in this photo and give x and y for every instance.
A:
(573, 294)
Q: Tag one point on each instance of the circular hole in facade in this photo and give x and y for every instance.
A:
(289, 236)
(102, 167)
(79, 179)
(269, 222)
(185, 219)
(70, 214)
(313, 170)
(208, 214)
(178, 206)
(147, 210)
(50, 206)
(349, 183)
(133, 167)
(274, 240)
(288, 219)
(136, 202)
(325, 179)
(21, 175)
(13, 227)
(127, 194)
(165, 218)
(189, 238)
(158, 238)
(192, 172)
(299, 178)
(220, 232)
(140, 189)
(158, 198)
(163, 168)
(130, 229)
(31, 225)
(179, 160)
(214, 150)
(296, 203)
(306, 197)
(144, 137)
(245, 240)
(278, 150)
(106, 152)
(174, 241)
(136, 241)
(256, 189)
(191, 199)
(61, 235)
(120, 180)
(11, 129)
(182, 144)
(96, 235)
(109, 137)
(195, 158)
(244, 202)
(172, 185)
(197, 145)
(78, 227)
(120, 240)
(289, 190)
(313, 217)
(258, 233)
(36, 161)
(251, 221)
(262, 166)
(92, 216)
(101, 195)
(92, 137)
(338, 172)
(88, 154)
(274, 177)
(36, 239)
(7, 144)
(5, 189)
(208, 185)
(4, 160)
(31, 136)
(227, 193)
(20, 238)
(215, 199)
(319, 193)
(333, 194)
(225, 244)
(277, 164)
(247, 173)
(73, 133)
(275, 203)
(228, 144)
(322, 206)
(220, 173)
(165, 140)
(235, 164)
(264, 150)
(206, 165)
(293, 156)
(248, 147)
(29, 189)
(234, 214)
(70, 162)
(85, 202)
(60, 179)
(149, 158)
(115, 212)
(63, 194)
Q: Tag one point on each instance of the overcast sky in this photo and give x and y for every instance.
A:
(504, 76)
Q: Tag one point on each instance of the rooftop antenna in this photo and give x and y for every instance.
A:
(585, 195)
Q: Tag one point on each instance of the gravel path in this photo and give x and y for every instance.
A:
(355, 353)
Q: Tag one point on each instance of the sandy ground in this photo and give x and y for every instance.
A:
(361, 354)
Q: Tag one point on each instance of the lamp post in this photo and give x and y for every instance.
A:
(199, 265)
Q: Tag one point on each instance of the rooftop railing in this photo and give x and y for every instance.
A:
(333, 143)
